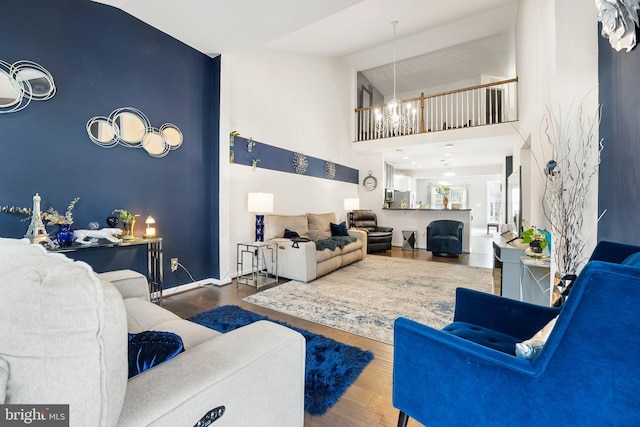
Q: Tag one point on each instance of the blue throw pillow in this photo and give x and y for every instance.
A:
(339, 229)
(150, 348)
(632, 260)
(288, 234)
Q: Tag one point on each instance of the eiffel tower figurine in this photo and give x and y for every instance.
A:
(36, 232)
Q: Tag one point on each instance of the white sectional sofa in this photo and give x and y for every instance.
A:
(63, 340)
(301, 261)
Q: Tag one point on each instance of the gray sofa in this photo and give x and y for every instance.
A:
(302, 261)
(63, 340)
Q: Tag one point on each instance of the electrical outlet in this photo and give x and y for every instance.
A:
(174, 264)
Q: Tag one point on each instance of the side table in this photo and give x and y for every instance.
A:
(535, 282)
(263, 266)
(409, 240)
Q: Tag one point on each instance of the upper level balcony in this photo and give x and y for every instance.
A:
(480, 105)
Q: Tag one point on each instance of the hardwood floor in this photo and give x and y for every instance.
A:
(368, 401)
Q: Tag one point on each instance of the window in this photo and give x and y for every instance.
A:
(457, 198)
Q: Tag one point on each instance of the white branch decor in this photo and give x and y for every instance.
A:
(574, 163)
(619, 19)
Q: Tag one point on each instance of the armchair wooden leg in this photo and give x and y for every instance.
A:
(403, 419)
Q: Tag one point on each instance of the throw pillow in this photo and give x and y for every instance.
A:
(530, 348)
(150, 348)
(339, 229)
(288, 234)
(632, 260)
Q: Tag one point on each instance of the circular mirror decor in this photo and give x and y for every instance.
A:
(171, 135)
(132, 125)
(154, 143)
(34, 77)
(102, 132)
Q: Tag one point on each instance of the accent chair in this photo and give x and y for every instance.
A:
(378, 237)
(444, 237)
(585, 374)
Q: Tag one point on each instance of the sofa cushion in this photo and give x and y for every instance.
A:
(63, 334)
(354, 246)
(145, 316)
(321, 222)
(276, 224)
(150, 348)
(339, 229)
(325, 254)
(483, 336)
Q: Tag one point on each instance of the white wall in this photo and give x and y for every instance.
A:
(557, 60)
(296, 102)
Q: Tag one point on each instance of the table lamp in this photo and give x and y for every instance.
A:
(150, 230)
(350, 205)
(260, 203)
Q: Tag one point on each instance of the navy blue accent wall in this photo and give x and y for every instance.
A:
(280, 159)
(101, 59)
(619, 176)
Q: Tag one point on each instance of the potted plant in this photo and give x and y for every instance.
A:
(538, 241)
(128, 222)
(444, 191)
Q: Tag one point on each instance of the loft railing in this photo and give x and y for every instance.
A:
(480, 105)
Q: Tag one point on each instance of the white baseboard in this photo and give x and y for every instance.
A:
(194, 285)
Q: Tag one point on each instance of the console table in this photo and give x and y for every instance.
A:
(154, 259)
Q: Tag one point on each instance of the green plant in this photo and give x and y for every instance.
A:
(254, 163)
(232, 136)
(535, 236)
(250, 144)
(53, 217)
(125, 215)
(443, 190)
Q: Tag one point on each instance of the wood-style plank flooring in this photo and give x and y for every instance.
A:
(367, 402)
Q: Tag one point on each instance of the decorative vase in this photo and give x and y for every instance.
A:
(128, 229)
(445, 202)
(65, 235)
(112, 221)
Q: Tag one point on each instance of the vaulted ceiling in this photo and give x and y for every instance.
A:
(438, 41)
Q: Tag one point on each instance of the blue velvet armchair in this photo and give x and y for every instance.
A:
(586, 373)
(444, 237)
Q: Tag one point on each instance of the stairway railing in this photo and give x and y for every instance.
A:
(479, 105)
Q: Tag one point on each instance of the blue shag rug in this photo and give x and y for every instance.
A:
(330, 367)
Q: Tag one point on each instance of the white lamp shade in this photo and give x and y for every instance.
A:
(351, 204)
(260, 202)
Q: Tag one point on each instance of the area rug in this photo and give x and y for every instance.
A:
(366, 297)
(330, 366)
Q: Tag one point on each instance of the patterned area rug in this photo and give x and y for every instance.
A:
(366, 297)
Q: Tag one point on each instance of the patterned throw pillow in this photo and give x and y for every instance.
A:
(150, 348)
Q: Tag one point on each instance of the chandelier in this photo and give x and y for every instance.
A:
(392, 120)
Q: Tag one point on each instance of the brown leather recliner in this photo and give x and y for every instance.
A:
(378, 237)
